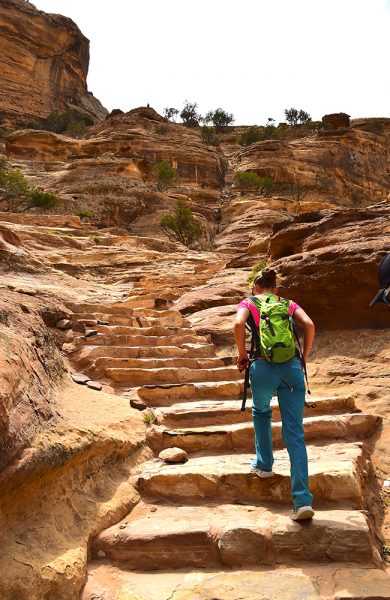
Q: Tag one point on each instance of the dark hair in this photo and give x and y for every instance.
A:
(267, 279)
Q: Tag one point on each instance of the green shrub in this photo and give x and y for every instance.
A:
(171, 114)
(161, 129)
(296, 117)
(148, 419)
(165, 173)
(189, 115)
(181, 225)
(251, 136)
(247, 180)
(38, 198)
(94, 238)
(373, 126)
(68, 120)
(209, 136)
(33, 125)
(219, 118)
(357, 198)
(18, 195)
(255, 271)
(84, 214)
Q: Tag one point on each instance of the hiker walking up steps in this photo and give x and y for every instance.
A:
(277, 366)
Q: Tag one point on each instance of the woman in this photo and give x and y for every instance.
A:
(288, 380)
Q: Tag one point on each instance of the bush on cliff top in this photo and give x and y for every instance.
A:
(296, 117)
(16, 195)
(180, 226)
(189, 115)
(219, 118)
(209, 136)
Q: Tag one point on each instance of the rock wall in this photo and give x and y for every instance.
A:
(346, 166)
(44, 64)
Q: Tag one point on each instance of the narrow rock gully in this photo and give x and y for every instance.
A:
(209, 528)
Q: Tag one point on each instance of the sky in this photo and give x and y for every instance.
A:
(253, 58)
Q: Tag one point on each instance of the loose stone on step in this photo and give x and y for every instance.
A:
(90, 333)
(138, 404)
(80, 378)
(64, 324)
(94, 385)
(173, 455)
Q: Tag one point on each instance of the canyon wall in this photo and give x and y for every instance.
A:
(44, 62)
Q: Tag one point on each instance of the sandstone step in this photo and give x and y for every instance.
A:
(206, 536)
(335, 581)
(241, 435)
(139, 376)
(168, 394)
(89, 353)
(123, 320)
(336, 473)
(209, 412)
(142, 340)
(157, 363)
(156, 330)
(108, 309)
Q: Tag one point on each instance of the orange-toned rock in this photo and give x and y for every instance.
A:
(173, 455)
(347, 166)
(44, 64)
(328, 262)
(336, 120)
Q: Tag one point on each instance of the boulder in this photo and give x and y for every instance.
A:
(336, 120)
(173, 455)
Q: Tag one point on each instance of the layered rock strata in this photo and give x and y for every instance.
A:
(44, 62)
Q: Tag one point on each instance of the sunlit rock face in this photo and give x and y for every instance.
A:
(345, 167)
(44, 62)
(328, 263)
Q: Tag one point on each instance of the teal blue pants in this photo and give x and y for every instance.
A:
(287, 378)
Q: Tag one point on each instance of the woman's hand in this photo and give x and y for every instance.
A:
(242, 361)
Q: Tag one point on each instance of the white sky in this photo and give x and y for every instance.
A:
(253, 58)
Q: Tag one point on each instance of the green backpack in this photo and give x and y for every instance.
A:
(277, 343)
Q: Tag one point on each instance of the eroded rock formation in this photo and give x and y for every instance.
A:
(44, 62)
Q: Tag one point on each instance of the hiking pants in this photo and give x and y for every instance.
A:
(265, 379)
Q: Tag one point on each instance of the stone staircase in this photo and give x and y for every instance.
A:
(211, 513)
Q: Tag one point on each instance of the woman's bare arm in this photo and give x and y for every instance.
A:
(239, 334)
(308, 330)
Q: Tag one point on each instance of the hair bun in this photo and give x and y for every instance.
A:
(268, 273)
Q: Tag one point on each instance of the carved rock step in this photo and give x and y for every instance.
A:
(283, 582)
(209, 412)
(206, 536)
(123, 309)
(90, 353)
(138, 376)
(165, 395)
(125, 320)
(336, 473)
(142, 340)
(157, 363)
(155, 330)
(241, 436)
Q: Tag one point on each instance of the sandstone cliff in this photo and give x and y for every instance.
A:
(43, 63)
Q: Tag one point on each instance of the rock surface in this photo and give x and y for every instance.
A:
(44, 62)
(173, 455)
